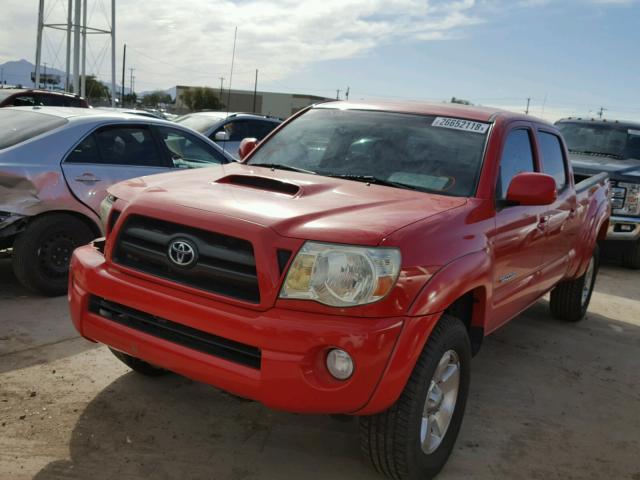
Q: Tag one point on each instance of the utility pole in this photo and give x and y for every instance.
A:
(601, 112)
(131, 82)
(124, 63)
(76, 48)
(45, 76)
(83, 82)
(527, 109)
(338, 94)
(255, 92)
(233, 58)
(113, 53)
(68, 62)
(36, 80)
(346, 94)
(221, 82)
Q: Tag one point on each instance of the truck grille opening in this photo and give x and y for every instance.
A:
(210, 261)
(192, 338)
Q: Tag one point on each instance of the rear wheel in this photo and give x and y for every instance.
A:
(41, 254)
(139, 366)
(414, 437)
(570, 299)
(631, 255)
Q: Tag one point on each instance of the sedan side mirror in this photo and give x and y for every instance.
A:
(222, 136)
(532, 188)
(246, 147)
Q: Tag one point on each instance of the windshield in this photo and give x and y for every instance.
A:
(200, 123)
(426, 153)
(19, 126)
(601, 138)
(5, 94)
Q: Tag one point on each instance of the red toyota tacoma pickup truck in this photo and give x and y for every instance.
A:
(350, 264)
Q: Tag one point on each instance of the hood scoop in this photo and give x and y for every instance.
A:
(261, 183)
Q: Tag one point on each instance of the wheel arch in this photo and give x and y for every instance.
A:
(462, 289)
(95, 228)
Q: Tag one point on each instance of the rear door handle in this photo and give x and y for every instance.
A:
(87, 178)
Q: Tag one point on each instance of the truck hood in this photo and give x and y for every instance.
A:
(293, 204)
(617, 169)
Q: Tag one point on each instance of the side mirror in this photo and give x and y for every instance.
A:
(246, 147)
(530, 188)
(222, 136)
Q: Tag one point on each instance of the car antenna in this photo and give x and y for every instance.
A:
(233, 57)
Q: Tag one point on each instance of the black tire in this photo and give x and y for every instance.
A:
(41, 254)
(391, 439)
(139, 366)
(631, 255)
(567, 302)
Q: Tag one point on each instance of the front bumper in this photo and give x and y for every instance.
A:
(293, 345)
(623, 228)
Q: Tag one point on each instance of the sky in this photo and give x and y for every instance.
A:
(570, 57)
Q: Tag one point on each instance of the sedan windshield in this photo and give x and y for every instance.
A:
(601, 139)
(418, 152)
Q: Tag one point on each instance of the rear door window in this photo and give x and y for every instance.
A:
(553, 162)
(85, 152)
(517, 157)
(120, 145)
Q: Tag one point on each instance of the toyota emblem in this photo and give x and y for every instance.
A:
(182, 253)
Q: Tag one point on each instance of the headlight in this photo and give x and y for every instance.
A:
(105, 209)
(631, 194)
(341, 275)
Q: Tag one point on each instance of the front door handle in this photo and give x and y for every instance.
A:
(87, 178)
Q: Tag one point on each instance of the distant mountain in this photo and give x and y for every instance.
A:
(19, 73)
(171, 91)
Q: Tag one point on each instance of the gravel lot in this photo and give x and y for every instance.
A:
(548, 400)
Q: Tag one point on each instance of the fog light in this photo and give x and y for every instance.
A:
(339, 364)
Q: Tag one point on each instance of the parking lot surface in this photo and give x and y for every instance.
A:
(548, 400)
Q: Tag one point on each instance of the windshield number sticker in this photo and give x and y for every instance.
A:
(458, 124)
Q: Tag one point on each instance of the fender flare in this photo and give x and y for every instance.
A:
(455, 279)
(592, 234)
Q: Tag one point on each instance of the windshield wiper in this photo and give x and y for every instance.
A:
(601, 154)
(280, 166)
(371, 179)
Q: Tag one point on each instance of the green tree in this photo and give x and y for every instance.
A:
(97, 92)
(130, 100)
(201, 98)
(155, 98)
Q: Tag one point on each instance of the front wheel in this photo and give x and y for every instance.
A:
(414, 437)
(570, 299)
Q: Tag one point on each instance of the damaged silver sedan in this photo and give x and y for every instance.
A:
(55, 167)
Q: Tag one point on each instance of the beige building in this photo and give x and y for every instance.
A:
(266, 103)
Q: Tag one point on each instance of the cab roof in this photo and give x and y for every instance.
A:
(468, 112)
